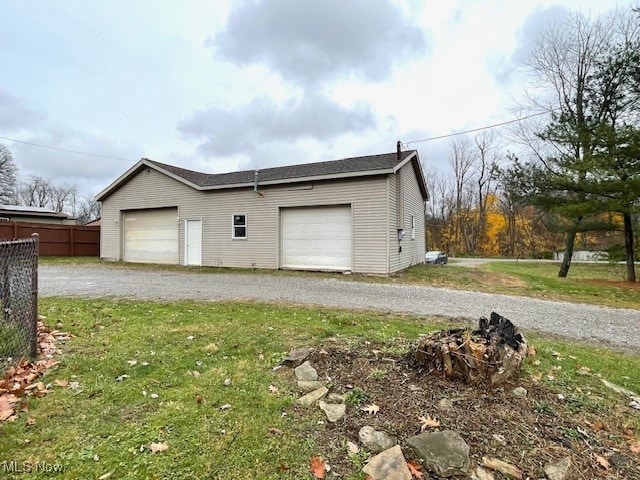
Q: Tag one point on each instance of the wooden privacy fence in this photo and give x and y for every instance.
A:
(56, 240)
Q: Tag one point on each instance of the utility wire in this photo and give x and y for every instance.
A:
(66, 150)
(487, 127)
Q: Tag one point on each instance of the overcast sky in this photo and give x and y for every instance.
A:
(218, 86)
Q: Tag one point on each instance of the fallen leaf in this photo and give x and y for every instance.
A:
(105, 476)
(532, 350)
(196, 373)
(635, 447)
(317, 467)
(132, 362)
(158, 447)
(226, 406)
(371, 409)
(273, 389)
(352, 447)
(603, 462)
(154, 396)
(415, 469)
(275, 431)
(7, 404)
(31, 421)
(428, 422)
(61, 383)
(199, 398)
(597, 425)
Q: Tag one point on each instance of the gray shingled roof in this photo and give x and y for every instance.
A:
(385, 161)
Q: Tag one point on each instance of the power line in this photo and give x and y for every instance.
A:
(66, 150)
(487, 127)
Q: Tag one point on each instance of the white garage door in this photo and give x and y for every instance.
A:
(151, 236)
(317, 238)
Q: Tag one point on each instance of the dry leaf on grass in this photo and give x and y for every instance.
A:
(273, 389)
(158, 447)
(428, 422)
(275, 431)
(30, 421)
(61, 383)
(371, 409)
(415, 469)
(603, 462)
(8, 402)
(352, 447)
(635, 447)
(318, 467)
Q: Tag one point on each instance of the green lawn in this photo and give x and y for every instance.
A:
(105, 426)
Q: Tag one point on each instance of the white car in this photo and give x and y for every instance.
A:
(435, 257)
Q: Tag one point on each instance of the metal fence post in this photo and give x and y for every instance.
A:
(34, 295)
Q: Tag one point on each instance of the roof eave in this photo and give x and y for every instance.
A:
(132, 171)
(309, 178)
(419, 173)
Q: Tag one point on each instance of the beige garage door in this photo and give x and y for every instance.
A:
(151, 236)
(318, 238)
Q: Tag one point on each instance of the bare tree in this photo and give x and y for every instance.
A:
(8, 177)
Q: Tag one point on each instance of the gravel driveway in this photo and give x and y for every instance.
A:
(615, 326)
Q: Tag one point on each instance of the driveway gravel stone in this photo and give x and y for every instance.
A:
(578, 321)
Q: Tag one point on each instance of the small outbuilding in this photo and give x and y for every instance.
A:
(21, 213)
(363, 215)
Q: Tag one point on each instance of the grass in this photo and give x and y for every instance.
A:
(592, 283)
(104, 426)
(596, 284)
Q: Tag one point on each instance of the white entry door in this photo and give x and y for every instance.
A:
(193, 242)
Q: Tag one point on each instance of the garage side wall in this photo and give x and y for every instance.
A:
(367, 197)
(411, 249)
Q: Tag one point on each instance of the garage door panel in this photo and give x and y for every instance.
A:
(151, 236)
(317, 238)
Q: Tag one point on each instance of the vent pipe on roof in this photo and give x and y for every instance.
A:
(255, 183)
(398, 150)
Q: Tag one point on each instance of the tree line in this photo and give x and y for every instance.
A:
(570, 174)
(36, 191)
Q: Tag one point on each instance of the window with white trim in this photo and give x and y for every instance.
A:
(239, 226)
(413, 227)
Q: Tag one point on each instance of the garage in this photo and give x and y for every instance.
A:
(317, 238)
(151, 236)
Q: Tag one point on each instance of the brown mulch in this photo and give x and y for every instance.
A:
(526, 432)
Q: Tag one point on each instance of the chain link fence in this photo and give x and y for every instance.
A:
(18, 300)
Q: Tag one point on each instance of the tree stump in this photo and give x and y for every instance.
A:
(493, 352)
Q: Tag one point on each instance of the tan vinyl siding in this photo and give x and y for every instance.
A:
(151, 189)
(413, 250)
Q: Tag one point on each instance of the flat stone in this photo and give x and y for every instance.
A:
(560, 470)
(296, 357)
(520, 392)
(309, 386)
(388, 465)
(445, 405)
(374, 440)
(312, 397)
(444, 453)
(334, 411)
(481, 474)
(306, 373)
(335, 398)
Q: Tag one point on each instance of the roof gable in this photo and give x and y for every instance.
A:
(385, 163)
